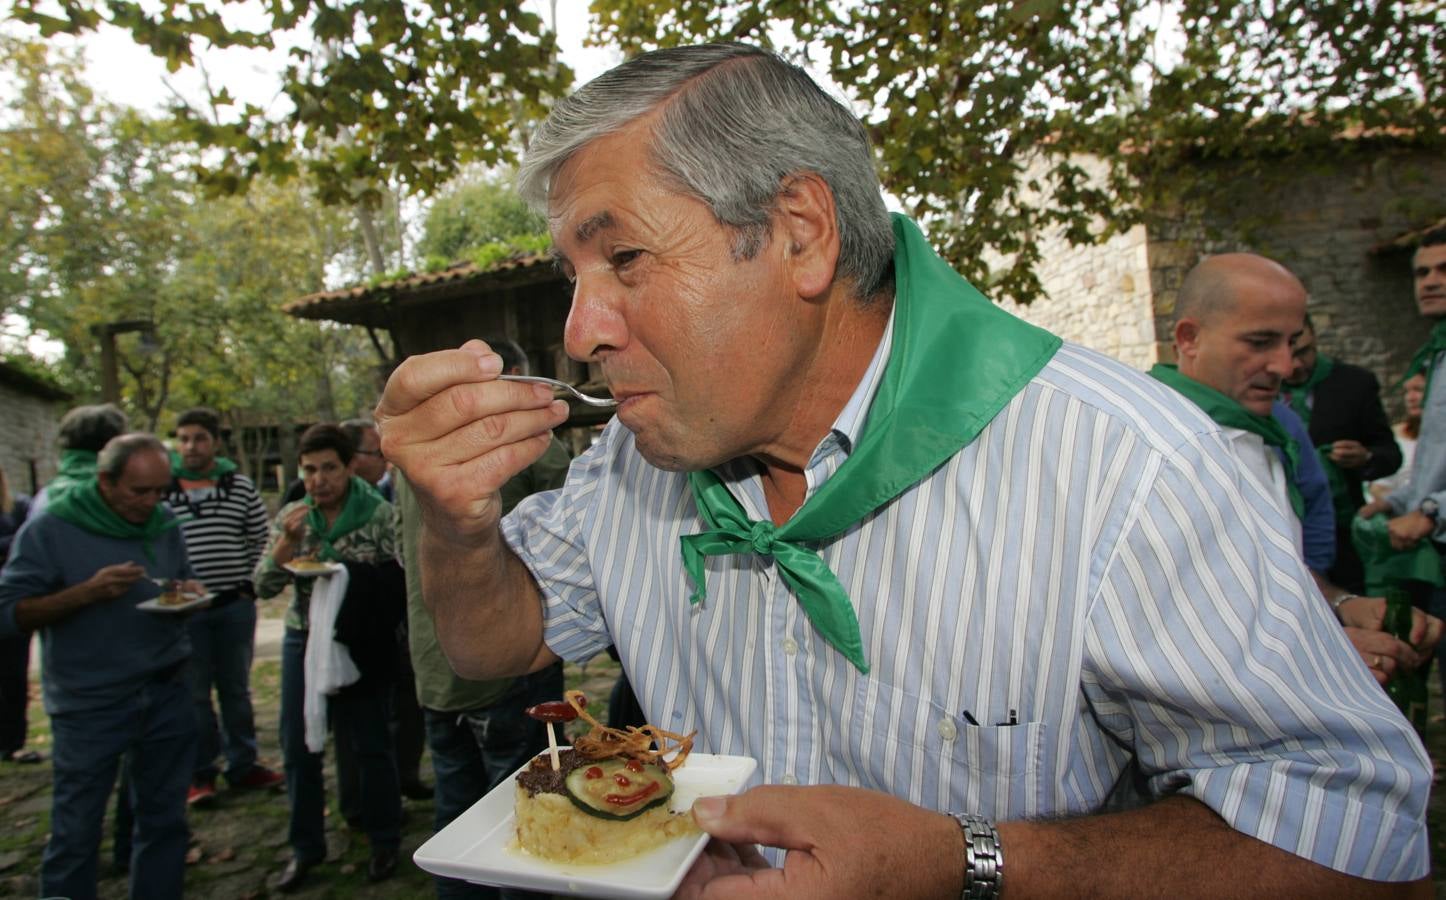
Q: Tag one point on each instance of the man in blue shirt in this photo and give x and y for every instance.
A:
(114, 675)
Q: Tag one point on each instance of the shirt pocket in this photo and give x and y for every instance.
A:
(909, 746)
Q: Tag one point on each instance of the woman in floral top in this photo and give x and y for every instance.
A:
(342, 519)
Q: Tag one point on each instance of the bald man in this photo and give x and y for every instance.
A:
(1237, 320)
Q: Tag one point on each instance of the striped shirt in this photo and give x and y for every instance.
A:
(1090, 592)
(225, 529)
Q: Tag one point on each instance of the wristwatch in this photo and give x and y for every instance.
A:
(1430, 509)
(983, 859)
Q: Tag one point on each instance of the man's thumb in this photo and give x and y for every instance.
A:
(762, 815)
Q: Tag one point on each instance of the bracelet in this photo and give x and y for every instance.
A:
(1339, 600)
(983, 858)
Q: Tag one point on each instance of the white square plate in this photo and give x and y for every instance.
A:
(156, 606)
(330, 568)
(480, 845)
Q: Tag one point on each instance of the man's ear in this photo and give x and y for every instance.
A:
(807, 224)
(1187, 338)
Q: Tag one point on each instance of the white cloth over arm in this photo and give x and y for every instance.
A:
(329, 666)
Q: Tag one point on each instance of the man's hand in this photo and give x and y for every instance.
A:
(458, 434)
(1384, 654)
(113, 581)
(1409, 530)
(192, 588)
(902, 851)
(1369, 613)
(1374, 508)
(1350, 454)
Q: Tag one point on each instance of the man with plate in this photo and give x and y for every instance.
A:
(960, 588)
(115, 680)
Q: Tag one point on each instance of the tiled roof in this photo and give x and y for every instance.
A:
(365, 305)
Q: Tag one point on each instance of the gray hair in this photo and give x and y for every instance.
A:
(91, 427)
(119, 451)
(734, 123)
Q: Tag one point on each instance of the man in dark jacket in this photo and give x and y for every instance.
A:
(1341, 404)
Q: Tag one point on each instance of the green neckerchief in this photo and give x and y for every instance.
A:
(1299, 396)
(361, 501)
(1422, 361)
(83, 506)
(220, 466)
(1228, 412)
(1385, 564)
(77, 467)
(956, 360)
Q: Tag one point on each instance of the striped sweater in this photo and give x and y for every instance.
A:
(225, 527)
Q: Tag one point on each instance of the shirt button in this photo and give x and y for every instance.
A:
(790, 646)
(947, 730)
(789, 779)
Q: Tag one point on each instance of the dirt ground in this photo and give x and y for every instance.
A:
(239, 844)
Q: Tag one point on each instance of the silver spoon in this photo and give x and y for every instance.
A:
(589, 399)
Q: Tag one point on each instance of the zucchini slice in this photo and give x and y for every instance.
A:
(618, 789)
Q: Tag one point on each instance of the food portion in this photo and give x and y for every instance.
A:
(604, 799)
(308, 564)
(174, 597)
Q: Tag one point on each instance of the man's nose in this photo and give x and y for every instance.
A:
(595, 323)
(1282, 361)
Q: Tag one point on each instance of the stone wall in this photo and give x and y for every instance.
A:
(27, 437)
(1323, 224)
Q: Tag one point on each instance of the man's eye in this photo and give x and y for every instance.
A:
(622, 258)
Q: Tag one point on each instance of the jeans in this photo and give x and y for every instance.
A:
(475, 750)
(158, 729)
(359, 718)
(222, 643)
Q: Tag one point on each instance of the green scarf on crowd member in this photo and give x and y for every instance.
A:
(1386, 565)
(1422, 361)
(956, 360)
(1299, 396)
(83, 506)
(76, 468)
(1230, 413)
(220, 466)
(356, 510)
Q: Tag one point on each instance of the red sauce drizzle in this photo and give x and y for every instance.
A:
(594, 772)
(630, 799)
(553, 711)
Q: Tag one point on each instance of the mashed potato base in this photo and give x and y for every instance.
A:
(550, 826)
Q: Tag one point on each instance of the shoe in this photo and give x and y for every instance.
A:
(201, 794)
(258, 777)
(25, 757)
(293, 875)
(383, 865)
(417, 790)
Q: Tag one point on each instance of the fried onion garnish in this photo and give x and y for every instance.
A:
(603, 742)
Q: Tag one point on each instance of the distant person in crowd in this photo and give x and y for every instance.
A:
(1407, 431)
(478, 731)
(342, 519)
(1341, 405)
(1416, 507)
(114, 673)
(1237, 319)
(83, 431)
(14, 649)
(960, 588)
(223, 519)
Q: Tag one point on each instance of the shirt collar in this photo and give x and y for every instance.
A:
(850, 422)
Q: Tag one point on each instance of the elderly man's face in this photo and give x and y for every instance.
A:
(1244, 352)
(696, 344)
(136, 491)
(369, 464)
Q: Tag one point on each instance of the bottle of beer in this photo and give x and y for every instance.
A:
(1406, 689)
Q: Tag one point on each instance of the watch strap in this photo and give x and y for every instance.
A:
(983, 858)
